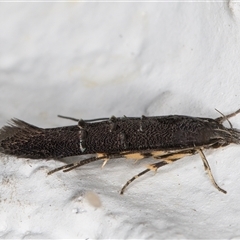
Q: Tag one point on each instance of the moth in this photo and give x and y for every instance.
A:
(164, 138)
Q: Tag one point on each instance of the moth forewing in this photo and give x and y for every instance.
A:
(165, 138)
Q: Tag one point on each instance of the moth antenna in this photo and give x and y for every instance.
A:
(223, 118)
(226, 117)
(70, 118)
(89, 120)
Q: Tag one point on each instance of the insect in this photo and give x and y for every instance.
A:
(164, 138)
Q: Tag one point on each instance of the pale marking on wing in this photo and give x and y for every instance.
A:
(159, 153)
(177, 156)
(135, 156)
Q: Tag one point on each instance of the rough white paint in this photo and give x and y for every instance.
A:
(93, 60)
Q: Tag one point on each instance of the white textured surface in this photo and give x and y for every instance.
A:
(94, 60)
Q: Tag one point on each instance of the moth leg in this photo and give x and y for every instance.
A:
(177, 154)
(105, 158)
(105, 162)
(152, 167)
(208, 169)
(71, 166)
(226, 117)
(132, 179)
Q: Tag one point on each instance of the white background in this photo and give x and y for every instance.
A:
(90, 60)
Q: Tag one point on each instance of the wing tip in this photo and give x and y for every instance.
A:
(15, 131)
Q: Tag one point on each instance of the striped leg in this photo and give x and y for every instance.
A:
(71, 166)
(153, 167)
(99, 156)
(208, 169)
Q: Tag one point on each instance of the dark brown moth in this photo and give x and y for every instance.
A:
(164, 138)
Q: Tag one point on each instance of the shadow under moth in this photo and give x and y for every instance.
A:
(164, 138)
